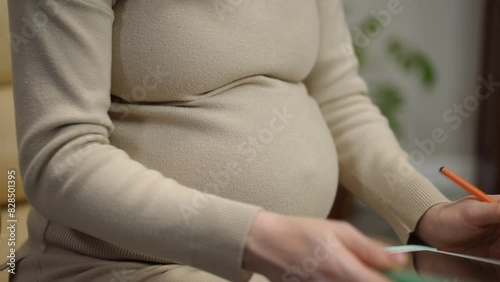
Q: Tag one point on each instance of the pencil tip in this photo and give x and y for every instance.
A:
(440, 169)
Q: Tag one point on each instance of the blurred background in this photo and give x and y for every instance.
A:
(423, 61)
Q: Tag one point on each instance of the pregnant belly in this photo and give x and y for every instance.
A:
(261, 141)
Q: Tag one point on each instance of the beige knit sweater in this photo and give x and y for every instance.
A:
(156, 130)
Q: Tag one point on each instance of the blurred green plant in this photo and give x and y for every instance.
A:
(388, 96)
(389, 99)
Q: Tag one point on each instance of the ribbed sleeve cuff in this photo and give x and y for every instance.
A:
(226, 224)
(411, 201)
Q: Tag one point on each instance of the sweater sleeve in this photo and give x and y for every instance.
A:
(372, 164)
(62, 76)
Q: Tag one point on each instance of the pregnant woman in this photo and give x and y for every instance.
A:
(203, 140)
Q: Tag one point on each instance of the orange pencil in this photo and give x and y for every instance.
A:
(466, 185)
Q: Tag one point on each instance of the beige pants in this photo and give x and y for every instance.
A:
(68, 268)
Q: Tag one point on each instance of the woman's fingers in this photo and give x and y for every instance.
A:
(287, 248)
(348, 267)
(370, 251)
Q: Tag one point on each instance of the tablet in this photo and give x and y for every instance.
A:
(429, 264)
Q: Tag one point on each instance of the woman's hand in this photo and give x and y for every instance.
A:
(285, 248)
(466, 226)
